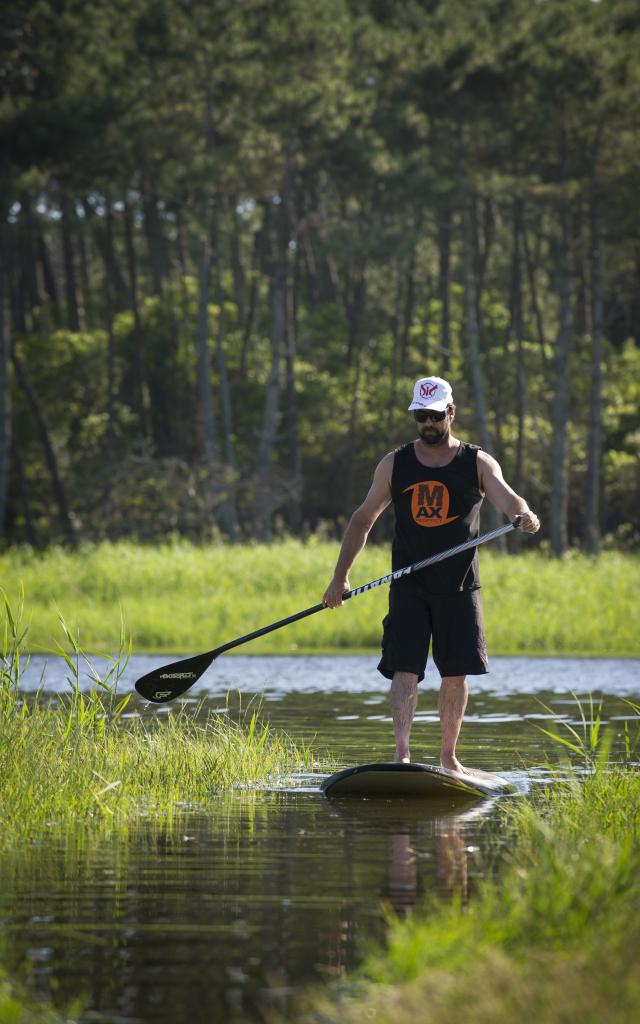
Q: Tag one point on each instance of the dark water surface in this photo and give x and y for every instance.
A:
(238, 904)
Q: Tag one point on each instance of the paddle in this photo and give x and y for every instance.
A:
(163, 684)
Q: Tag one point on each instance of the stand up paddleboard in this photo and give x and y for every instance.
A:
(427, 781)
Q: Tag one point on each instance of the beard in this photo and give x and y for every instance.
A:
(433, 436)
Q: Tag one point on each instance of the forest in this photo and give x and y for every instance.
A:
(233, 235)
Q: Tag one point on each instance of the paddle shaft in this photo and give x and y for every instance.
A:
(170, 681)
(389, 578)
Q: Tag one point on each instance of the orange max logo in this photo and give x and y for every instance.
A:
(430, 503)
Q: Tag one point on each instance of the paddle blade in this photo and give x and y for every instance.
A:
(170, 681)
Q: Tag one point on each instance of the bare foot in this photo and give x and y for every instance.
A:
(454, 765)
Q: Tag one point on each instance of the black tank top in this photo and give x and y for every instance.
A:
(437, 508)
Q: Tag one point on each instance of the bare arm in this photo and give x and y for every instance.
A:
(355, 537)
(502, 495)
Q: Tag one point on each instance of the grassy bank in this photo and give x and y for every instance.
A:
(83, 761)
(553, 940)
(183, 598)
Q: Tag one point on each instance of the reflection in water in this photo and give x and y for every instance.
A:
(235, 905)
(411, 825)
(402, 887)
(451, 872)
(452, 862)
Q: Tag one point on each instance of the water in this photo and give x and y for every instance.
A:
(260, 893)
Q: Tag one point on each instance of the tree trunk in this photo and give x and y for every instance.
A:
(395, 348)
(444, 284)
(17, 297)
(266, 447)
(229, 512)
(473, 340)
(49, 454)
(409, 308)
(111, 355)
(239, 284)
(254, 291)
(28, 262)
(533, 293)
(270, 414)
(472, 330)
(322, 284)
(48, 276)
(294, 510)
(67, 226)
(354, 298)
(488, 238)
(156, 242)
(5, 397)
(307, 250)
(594, 451)
(23, 493)
(351, 440)
(560, 409)
(141, 388)
(205, 390)
(85, 278)
(581, 259)
(183, 263)
(518, 331)
(104, 242)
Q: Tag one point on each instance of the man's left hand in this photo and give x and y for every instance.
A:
(529, 522)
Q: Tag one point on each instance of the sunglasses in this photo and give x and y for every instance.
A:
(422, 415)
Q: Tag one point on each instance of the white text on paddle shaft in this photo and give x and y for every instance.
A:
(383, 579)
(178, 675)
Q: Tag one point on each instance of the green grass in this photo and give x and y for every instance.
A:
(182, 598)
(16, 1007)
(82, 761)
(554, 939)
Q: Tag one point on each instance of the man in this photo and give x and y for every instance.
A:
(436, 484)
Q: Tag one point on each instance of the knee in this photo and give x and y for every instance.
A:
(405, 681)
(453, 681)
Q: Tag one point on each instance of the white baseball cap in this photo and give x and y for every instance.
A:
(431, 393)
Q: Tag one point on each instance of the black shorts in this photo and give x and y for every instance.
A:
(452, 623)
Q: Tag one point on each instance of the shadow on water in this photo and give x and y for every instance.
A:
(231, 907)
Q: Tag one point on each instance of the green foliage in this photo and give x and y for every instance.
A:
(367, 125)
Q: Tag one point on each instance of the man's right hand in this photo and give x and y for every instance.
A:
(355, 537)
(335, 590)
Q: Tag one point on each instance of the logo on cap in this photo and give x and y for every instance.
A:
(427, 390)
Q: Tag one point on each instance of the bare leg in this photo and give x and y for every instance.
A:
(404, 698)
(451, 705)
